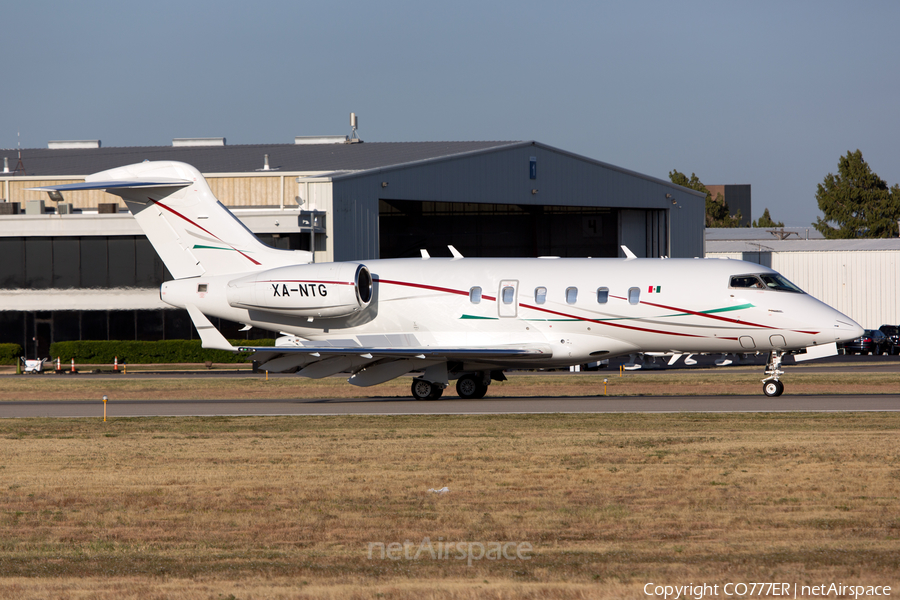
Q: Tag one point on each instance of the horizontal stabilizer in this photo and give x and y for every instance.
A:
(110, 185)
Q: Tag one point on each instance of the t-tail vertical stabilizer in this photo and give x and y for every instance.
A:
(189, 228)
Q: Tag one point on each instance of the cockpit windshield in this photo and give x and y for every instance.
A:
(765, 281)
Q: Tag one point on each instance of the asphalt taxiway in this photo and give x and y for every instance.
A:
(450, 404)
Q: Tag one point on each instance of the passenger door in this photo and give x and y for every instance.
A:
(508, 298)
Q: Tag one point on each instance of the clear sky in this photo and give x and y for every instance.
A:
(770, 93)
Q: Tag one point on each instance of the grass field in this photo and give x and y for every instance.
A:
(298, 507)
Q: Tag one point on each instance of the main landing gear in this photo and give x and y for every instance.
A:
(426, 390)
(772, 386)
(470, 386)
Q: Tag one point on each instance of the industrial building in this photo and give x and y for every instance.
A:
(80, 268)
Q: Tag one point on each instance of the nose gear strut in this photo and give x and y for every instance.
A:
(772, 386)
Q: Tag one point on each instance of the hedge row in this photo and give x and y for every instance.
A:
(10, 354)
(133, 353)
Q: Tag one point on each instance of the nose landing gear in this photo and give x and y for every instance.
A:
(772, 386)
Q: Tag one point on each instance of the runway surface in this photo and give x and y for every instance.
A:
(450, 406)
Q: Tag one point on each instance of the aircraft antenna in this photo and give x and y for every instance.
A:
(354, 123)
(19, 165)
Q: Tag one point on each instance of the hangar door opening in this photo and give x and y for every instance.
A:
(645, 232)
(501, 230)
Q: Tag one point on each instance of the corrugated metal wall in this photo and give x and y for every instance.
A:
(864, 285)
(252, 191)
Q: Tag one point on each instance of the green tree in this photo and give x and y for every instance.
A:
(766, 221)
(857, 203)
(717, 213)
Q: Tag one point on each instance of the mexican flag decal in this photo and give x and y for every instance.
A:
(656, 289)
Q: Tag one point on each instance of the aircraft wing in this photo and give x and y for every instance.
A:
(371, 365)
(534, 351)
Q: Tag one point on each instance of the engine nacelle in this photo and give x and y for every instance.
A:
(325, 290)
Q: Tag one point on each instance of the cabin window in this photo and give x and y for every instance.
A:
(201, 288)
(508, 294)
(571, 295)
(475, 295)
(602, 295)
(634, 295)
(540, 295)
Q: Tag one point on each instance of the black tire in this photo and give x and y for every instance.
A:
(422, 389)
(773, 388)
(471, 387)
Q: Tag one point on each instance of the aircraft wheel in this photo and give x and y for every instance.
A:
(470, 387)
(773, 388)
(425, 390)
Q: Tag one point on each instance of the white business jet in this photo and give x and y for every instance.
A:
(463, 319)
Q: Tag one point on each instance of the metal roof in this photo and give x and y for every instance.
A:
(884, 244)
(244, 158)
(762, 234)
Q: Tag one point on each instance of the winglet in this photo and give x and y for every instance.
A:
(628, 253)
(209, 335)
(456, 253)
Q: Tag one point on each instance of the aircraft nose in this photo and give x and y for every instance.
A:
(847, 329)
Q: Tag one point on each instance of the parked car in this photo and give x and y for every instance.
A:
(893, 335)
(872, 341)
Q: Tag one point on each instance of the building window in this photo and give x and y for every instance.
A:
(62, 262)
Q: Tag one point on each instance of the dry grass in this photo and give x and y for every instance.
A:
(285, 507)
(733, 381)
